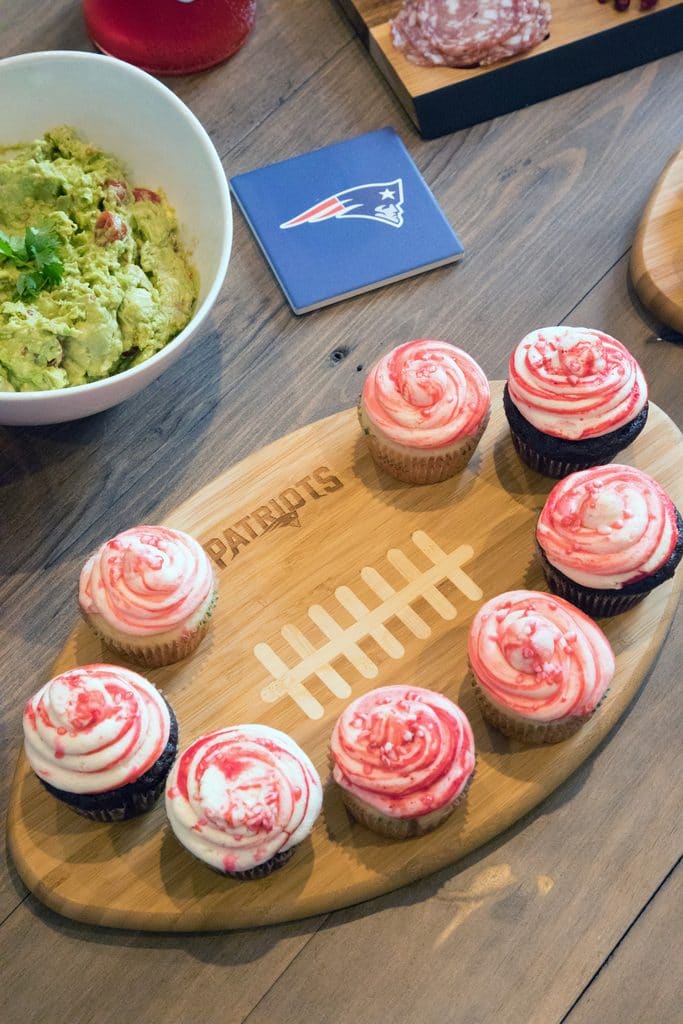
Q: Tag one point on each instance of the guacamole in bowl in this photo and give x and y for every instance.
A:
(126, 286)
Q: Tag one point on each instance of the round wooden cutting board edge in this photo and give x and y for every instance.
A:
(646, 280)
(195, 919)
(354, 895)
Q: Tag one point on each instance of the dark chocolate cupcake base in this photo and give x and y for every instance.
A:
(602, 603)
(260, 871)
(267, 868)
(127, 801)
(556, 457)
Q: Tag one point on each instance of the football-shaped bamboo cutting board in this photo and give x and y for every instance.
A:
(657, 254)
(335, 579)
(588, 41)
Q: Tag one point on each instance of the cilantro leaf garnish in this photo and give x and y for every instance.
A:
(6, 248)
(37, 255)
(28, 285)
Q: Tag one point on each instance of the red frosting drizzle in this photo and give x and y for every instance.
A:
(575, 382)
(404, 750)
(426, 394)
(104, 724)
(538, 656)
(238, 796)
(608, 526)
(146, 580)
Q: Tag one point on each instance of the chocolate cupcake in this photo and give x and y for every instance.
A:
(540, 667)
(149, 593)
(241, 799)
(101, 739)
(607, 537)
(403, 758)
(574, 398)
(423, 409)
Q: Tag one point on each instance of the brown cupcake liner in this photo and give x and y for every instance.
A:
(556, 468)
(527, 732)
(265, 869)
(260, 871)
(599, 605)
(131, 807)
(157, 655)
(557, 457)
(127, 801)
(423, 469)
(399, 828)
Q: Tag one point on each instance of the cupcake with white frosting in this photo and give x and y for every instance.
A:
(540, 667)
(423, 409)
(403, 757)
(574, 398)
(241, 799)
(607, 537)
(149, 593)
(101, 739)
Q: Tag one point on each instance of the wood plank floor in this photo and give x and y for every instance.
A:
(646, 983)
(553, 922)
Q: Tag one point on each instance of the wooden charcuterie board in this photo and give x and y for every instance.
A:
(657, 253)
(335, 579)
(588, 41)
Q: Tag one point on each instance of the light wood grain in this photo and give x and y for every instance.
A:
(286, 528)
(645, 981)
(91, 976)
(657, 255)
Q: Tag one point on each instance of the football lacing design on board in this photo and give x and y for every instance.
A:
(343, 641)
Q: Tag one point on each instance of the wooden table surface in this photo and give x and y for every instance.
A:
(572, 916)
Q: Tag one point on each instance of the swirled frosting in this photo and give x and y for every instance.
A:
(575, 383)
(95, 728)
(238, 796)
(146, 580)
(607, 527)
(426, 394)
(538, 657)
(404, 750)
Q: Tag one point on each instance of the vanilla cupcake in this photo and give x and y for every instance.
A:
(574, 398)
(540, 667)
(101, 739)
(241, 799)
(607, 537)
(423, 408)
(403, 758)
(149, 593)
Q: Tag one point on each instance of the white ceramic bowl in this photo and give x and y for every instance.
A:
(128, 113)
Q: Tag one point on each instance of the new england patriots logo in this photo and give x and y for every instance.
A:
(382, 202)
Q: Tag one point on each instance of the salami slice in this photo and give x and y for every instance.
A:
(467, 33)
(532, 30)
(409, 37)
(454, 32)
